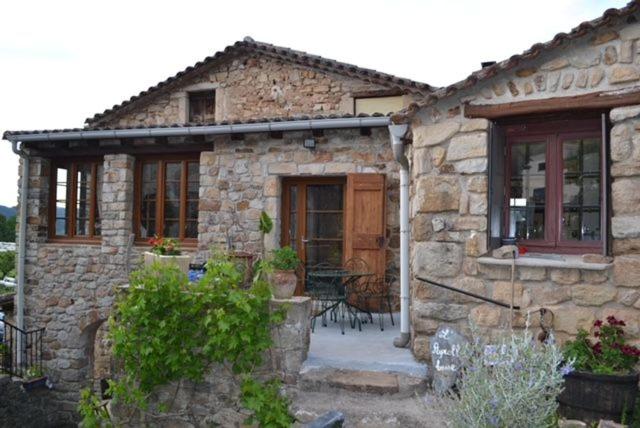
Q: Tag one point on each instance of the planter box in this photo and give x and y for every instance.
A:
(182, 261)
(590, 397)
(31, 384)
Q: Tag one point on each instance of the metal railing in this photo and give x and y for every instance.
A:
(20, 351)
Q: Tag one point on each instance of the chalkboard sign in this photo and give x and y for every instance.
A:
(445, 358)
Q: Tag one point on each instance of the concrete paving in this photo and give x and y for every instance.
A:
(369, 349)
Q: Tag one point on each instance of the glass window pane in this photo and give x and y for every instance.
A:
(581, 190)
(324, 225)
(97, 226)
(324, 197)
(324, 252)
(191, 229)
(172, 210)
(192, 209)
(83, 201)
(174, 171)
(193, 171)
(148, 200)
(63, 201)
(171, 229)
(527, 197)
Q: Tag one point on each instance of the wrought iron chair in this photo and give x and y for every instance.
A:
(356, 288)
(323, 292)
(376, 296)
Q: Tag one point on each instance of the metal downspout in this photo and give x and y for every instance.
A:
(397, 133)
(22, 241)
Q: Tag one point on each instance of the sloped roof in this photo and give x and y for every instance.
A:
(608, 17)
(294, 118)
(249, 45)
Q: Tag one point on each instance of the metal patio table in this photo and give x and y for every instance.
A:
(341, 280)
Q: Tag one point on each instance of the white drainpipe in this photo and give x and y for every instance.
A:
(22, 242)
(397, 133)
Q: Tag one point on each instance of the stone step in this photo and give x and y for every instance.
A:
(368, 382)
(364, 409)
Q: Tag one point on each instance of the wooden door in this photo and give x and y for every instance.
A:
(313, 220)
(365, 227)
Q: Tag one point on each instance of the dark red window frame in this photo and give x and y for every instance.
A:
(161, 162)
(93, 234)
(554, 133)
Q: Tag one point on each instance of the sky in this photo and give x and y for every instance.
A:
(63, 61)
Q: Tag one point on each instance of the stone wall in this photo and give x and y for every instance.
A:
(254, 86)
(449, 236)
(214, 401)
(240, 179)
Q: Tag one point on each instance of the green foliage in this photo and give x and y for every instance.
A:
(165, 329)
(609, 355)
(94, 413)
(269, 407)
(512, 383)
(266, 224)
(285, 258)
(7, 263)
(7, 229)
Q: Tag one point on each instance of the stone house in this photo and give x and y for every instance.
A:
(542, 147)
(198, 157)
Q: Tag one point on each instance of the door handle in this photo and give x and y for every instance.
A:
(304, 240)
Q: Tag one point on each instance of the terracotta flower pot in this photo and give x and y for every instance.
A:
(182, 261)
(283, 283)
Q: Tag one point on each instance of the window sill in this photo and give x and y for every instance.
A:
(559, 261)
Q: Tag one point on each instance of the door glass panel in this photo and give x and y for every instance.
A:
(581, 190)
(324, 229)
(293, 217)
(527, 196)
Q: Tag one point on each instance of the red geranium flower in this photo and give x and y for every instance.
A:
(598, 323)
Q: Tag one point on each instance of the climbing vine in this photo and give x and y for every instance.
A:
(165, 330)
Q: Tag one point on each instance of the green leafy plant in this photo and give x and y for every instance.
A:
(608, 355)
(166, 329)
(285, 258)
(513, 382)
(266, 224)
(94, 413)
(34, 373)
(164, 246)
(7, 263)
(269, 407)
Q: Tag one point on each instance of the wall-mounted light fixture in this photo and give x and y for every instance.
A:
(310, 143)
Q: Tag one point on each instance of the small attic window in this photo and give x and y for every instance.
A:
(202, 107)
(383, 104)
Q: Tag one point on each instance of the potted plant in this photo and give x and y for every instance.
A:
(604, 382)
(35, 379)
(166, 250)
(283, 278)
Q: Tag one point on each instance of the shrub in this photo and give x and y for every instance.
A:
(609, 355)
(511, 384)
(7, 263)
(285, 258)
(165, 329)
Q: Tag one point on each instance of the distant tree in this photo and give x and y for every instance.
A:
(7, 229)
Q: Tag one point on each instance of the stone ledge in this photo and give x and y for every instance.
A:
(559, 262)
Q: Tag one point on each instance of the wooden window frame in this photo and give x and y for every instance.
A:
(72, 180)
(200, 96)
(554, 134)
(302, 182)
(162, 161)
